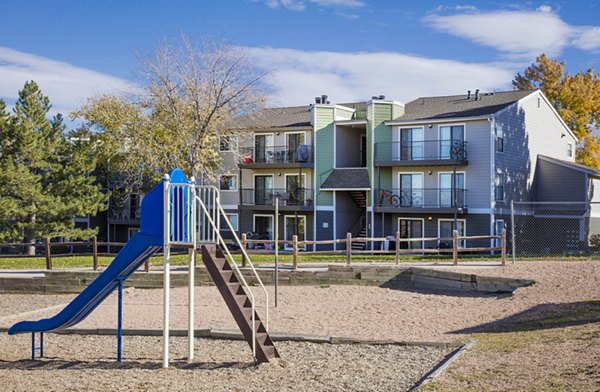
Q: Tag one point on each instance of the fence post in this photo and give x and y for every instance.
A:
(512, 230)
(244, 248)
(295, 248)
(503, 246)
(397, 247)
(48, 253)
(147, 265)
(455, 247)
(95, 252)
(348, 248)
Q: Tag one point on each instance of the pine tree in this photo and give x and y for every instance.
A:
(576, 97)
(45, 175)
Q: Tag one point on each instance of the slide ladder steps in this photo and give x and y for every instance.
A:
(239, 304)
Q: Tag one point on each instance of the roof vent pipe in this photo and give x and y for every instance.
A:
(468, 94)
(382, 97)
(476, 94)
(323, 98)
(317, 100)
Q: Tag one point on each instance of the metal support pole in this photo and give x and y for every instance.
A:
(41, 345)
(192, 253)
(166, 271)
(120, 319)
(276, 246)
(33, 346)
(512, 230)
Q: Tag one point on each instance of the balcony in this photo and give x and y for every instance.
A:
(277, 157)
(421, 153)
(123, 214)
(299, 199)
(422, 200)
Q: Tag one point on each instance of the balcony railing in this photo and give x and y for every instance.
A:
(300, 197)
(423, 150)
(123, 213)
(422, 198)
(278, 154)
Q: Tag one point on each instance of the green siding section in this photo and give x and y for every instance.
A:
(343, 113)
(325, 150)
(381, 133)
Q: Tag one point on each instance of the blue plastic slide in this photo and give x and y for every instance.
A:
(135, 252)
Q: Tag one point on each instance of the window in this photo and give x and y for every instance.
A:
(445, 229)
(452, 190)
(263, 227)
(225, 143)
(570, 150)
(451, 141)
(411, 190)
(499, 139)
(233, 219)
(411, 144)
(499, 189)
(294, 187)
(228, 182)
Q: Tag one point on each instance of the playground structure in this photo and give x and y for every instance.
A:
(176, 213)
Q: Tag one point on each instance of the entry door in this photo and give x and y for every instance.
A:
(451, 196)
(363, 150)
(295, 225)
(294, 140)
(263, 190)
(263, 226)
(411, 228)
(263, 148)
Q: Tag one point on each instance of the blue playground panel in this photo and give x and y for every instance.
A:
(135, 252)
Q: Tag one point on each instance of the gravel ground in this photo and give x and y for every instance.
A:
(79, 363)
(353, 311)
(357, 311)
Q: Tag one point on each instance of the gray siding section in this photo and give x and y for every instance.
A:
(554, 182)
(530, 128)
(324, 233)
(477, 172)
(476, 224)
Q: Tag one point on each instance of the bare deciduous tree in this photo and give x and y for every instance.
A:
(187, 98)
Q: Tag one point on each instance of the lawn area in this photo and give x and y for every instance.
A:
(257, 258)
(60, 261)
(555, 349)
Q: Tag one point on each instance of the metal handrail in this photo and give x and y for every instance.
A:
(230, 257)
(418, 150)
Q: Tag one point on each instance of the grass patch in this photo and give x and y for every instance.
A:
(542, 353)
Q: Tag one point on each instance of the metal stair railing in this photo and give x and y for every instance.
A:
(221, 241)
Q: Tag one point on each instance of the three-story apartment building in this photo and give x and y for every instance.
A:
(373, 168)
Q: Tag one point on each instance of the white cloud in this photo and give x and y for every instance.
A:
(300, 5)
(298, 76)
(519, 34)
(66, 85)
(588, 38)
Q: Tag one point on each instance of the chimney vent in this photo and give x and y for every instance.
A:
(324, 99)
(317, 100)
(468, 94)
(476, 94)
(382, 97)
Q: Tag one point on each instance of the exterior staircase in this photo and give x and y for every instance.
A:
(360, 245)
(359, 197)
(239, 303)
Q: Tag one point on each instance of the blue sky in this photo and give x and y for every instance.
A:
(348, 49)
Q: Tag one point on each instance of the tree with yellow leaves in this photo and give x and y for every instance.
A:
(576, 97)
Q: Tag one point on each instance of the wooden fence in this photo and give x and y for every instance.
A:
(47, 245)
(454, 250)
